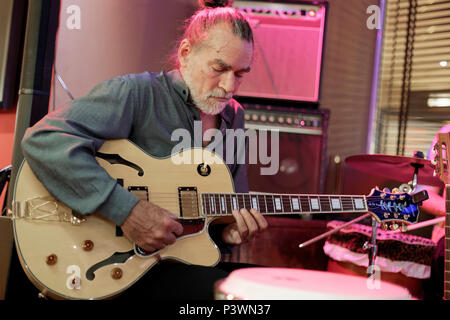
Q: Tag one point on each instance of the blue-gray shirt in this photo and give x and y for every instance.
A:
(144, 108)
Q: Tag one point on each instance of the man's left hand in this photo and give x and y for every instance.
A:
(247, 225)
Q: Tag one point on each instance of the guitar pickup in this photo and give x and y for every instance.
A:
(188, 202)
(140, 192)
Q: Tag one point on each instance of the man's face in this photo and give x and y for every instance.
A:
(213, 68)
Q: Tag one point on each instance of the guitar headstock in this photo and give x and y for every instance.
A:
(394, 210)
(441, 156)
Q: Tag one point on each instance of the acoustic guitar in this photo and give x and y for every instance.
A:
(70, 256)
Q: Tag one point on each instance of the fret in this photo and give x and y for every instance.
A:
(314, 203)
(212, 202)
(304, 204)
(358, 203)
(285, 199)
(217, 203)
(235, 202)
(255, 202)
(228, 201)
(336, 204)
(241, 201)
(325, 204)
(269, 203)
(247, 202)
(223, 206)
(278, 204)
(347, 204)
(295, 204)
(207, 205)
(262, 203)
(204, 205)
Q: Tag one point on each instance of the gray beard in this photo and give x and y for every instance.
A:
(207, 106)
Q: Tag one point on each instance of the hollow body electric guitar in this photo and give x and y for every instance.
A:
(70, 256)
(442, 169)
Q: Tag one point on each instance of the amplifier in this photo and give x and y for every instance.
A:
(289, 41)
(301, 148)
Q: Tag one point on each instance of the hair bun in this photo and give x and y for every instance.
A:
(215, 3)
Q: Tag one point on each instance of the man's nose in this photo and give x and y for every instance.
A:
(228, 82)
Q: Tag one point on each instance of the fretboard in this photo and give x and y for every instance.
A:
(219, 204)
(447, 245)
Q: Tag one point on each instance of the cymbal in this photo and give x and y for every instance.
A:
(398, 168)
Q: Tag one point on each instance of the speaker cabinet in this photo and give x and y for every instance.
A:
(288, 50)
(301, 149)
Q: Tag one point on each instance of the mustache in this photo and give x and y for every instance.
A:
(220, 94)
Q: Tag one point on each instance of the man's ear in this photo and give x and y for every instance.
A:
(184, 49)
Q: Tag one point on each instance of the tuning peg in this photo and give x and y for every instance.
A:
(404, 227)
(387, 190)
(394, 226)
(396, 190)
(384, 226)
(433, 162)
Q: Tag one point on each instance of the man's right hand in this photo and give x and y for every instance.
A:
(151, 227)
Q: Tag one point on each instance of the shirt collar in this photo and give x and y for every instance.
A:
(179, 84)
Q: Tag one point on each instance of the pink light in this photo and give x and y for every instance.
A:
(311, 13)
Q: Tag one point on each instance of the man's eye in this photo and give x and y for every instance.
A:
(217, 69)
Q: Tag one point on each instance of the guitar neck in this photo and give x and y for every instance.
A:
(220, 204)
(447, 245)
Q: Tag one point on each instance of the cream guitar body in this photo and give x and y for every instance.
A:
(56, 255)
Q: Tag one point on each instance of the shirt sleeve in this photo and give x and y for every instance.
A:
(61, 147)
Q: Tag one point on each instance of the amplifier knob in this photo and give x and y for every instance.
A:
(247, 116)
(255, 117)
(281, 119)
(271, 118)
(263, 118)
(289, 120)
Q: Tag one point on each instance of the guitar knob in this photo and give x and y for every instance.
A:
(51, 259)
(88, 245)
(116, 273)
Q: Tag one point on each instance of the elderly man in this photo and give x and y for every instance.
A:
(215, 53)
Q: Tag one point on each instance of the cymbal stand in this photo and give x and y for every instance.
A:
(326, 234)
(371, 246)
(372, 249)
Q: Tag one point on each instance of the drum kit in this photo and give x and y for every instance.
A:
(298, 284)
